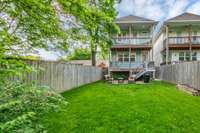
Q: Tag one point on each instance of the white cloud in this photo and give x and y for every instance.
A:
(153, 9)
(195, 8)
(149, 9)
(176, 7)
(49, 55)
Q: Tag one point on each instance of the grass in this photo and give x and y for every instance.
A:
(156, 107)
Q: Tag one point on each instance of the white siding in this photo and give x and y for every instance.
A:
(198, 56)
(175, 56)
(157, 48)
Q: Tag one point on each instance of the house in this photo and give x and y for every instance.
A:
(178, 40)
(130, 53)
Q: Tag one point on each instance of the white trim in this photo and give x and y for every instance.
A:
(175, 21)
(136, 22)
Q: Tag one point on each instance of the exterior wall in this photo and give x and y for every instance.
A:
(158, 45)
(157, 48)
(198, 56)
(139, 58)
(175, 54)
(134, 35)
(132, 32)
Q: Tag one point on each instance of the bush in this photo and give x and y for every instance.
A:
(22, 105)
(117, 75)
(79, 54)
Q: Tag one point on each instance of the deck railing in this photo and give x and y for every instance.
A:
(131, 41)
(184, 40)
(117, 64)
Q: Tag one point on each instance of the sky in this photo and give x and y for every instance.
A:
(158, 10)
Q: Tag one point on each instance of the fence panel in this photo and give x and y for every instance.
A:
(183, 73)
(61, 76)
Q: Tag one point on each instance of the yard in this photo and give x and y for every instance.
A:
(105, 108)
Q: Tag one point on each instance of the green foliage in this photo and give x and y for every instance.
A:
(29, 24)
(13, 66)
(117, 75)
(97, 19)
(80, 54)
(21, 107)
(25, 25)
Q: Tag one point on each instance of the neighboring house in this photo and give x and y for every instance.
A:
(178, 40)
(130, 52)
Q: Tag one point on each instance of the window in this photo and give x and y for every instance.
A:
(120, 57)
(181, 56)
(194, 39)
(132, 57)
(126, 57)
(194, 56)
(187, 56)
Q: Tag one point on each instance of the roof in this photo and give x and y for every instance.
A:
(134, 19)
(185, 17)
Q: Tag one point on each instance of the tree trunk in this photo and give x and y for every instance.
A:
(93, 53)
(93, 57)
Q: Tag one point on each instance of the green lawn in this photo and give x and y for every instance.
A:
(100, 107)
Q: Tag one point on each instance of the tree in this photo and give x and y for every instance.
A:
(29, 24)
(24, 25)
(97, 19)
(80, 54)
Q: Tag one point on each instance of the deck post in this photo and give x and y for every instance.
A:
(151, 43)
(130, 34)
(190, 42)
(109, 58)
(129, 59)
(167, 45)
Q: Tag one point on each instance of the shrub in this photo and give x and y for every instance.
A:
(22, 105)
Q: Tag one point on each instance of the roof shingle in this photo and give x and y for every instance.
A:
(185, 17)
(132, 18)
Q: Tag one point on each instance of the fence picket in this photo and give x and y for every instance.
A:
(182, 73)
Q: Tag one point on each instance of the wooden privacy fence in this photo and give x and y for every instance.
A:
(187, 73)
(61, 76)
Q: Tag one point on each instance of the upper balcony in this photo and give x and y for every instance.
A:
(182, 42)
(132, 41)
(135, 32)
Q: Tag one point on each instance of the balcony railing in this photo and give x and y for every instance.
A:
(131, 41)
(117, 64)
(184, 40)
